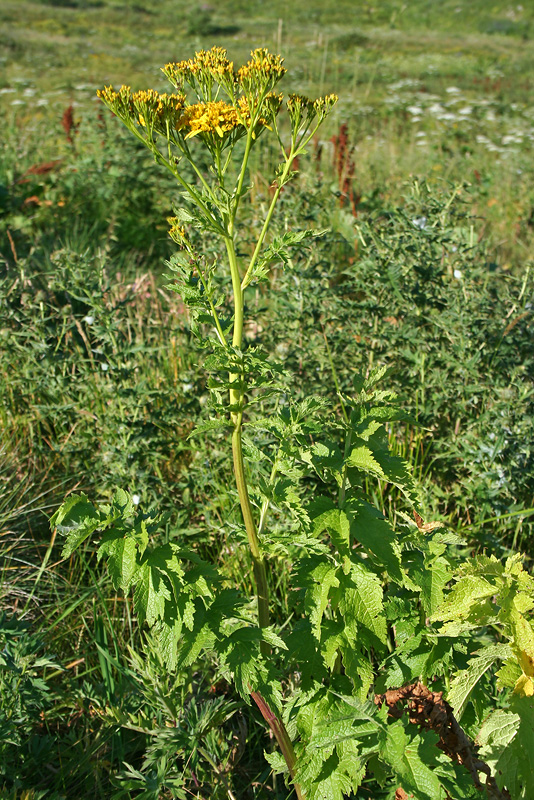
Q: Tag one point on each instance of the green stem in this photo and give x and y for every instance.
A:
(237, 397)
(239, 186)
(160, 158)
(282, 737)
(260, 574)
(268, 218)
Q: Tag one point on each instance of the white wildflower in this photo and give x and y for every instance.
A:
(420, 222)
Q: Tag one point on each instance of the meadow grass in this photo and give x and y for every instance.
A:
(100, 384)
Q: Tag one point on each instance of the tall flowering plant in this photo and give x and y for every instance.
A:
(250, 106)
(371, 623)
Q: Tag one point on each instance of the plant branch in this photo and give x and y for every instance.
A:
(282, 737)
(268, 218)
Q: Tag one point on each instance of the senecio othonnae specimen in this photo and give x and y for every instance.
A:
(372, 620)
(216, 106)
(229, 105)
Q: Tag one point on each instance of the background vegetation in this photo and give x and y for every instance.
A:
(424, 178)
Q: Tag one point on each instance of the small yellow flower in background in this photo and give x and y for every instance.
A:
(176, 231)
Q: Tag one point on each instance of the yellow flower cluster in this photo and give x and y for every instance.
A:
(219, 118)
(176, 231)
(302, 109)
(262, 69)
(252, 102)
(156, 109)
(323, 104)
(260, 74)
(119, 102)
(149, 108)
(211, 64)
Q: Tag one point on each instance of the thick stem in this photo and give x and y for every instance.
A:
(237, 397)
(260, 574)
(282, 737)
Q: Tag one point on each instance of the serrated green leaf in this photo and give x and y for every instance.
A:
(151, 593)
(403, 756)
(122, 502)
(465, 681)
(363, 459)
(370, 529)
(497, 732)
(122, 554)
(510, 756)
(431, 575)
(459, 603)
(319, 578)
(77, 519)
(508, 674)
(167, 635)
(206, 425)
(327, 516)
(268, 635)
(361, 604)
(277, 762)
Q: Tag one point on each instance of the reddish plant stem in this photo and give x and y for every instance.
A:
(282, 737)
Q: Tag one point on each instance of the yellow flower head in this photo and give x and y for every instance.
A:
(176, 231)
(148, 108)
(270, 106)
(208, 118)
(299, 108)
(302, 110)
(202, 71)
(324, 105)
(119, 102)
(261, 73)
(155, 111)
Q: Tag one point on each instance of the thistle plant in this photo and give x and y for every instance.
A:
(371, 621)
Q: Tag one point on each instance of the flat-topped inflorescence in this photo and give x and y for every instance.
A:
(251, 104)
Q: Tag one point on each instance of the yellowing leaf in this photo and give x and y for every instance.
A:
(462, 598)
(524, 686)
(524, 639)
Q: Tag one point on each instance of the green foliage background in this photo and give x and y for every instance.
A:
(100, 385)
